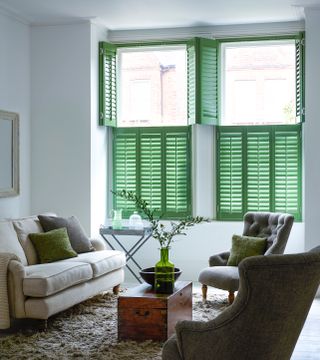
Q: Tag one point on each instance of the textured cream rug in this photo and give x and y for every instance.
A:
(89, 331)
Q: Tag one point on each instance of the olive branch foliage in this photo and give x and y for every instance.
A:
(159, 231)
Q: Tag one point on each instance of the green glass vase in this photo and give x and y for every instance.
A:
(164, 274)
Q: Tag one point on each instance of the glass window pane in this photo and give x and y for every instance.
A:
(153, 86)
(259, 83)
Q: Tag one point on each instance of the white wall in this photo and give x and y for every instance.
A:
(312, 129)
(15, 96)
(98, 139)
(61, 113)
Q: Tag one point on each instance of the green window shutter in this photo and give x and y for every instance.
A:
(107, 84)
(191, 82)
(287, 171)
(125, 166)
(230, 173)
(258, 170)
(208, 67)
(178, 173)
(150, 167)
(155, 164)
(203, 81)
(300, 105)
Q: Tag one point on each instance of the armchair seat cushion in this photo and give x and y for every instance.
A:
(46, 279)
(101, 262)
(222, 277)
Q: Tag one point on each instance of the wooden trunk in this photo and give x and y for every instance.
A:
(144, 315)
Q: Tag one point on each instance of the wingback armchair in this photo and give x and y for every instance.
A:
(275, 227)
(266, 318)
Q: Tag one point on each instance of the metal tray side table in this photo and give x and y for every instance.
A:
(143, 236)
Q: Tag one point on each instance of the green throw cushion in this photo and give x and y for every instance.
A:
(245, 246)
(53, 245)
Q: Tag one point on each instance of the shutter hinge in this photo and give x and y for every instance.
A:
(303, 111)
(101, 116)
(101, 51)
(302, 42)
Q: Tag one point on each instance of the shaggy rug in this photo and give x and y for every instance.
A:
(89, 331)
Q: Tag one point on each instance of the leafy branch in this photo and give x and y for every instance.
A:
(159, 232)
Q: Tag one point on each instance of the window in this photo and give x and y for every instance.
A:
(155, 164)
(152, 83)
(259, 169)
(259, 82)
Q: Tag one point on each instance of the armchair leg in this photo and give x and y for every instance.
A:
(231, 297)
(116, 289)
(204, 292)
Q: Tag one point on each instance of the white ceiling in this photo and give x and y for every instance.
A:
(151, 14)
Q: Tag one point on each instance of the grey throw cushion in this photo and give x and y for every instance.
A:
(78, 239)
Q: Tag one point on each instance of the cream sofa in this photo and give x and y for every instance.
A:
(32, 290)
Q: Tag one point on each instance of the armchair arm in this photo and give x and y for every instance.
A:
(220, 259)
(98, 244)
(193, 338)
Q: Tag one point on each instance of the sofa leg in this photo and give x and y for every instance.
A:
(116, 289)
(204, 292)
(231, 297)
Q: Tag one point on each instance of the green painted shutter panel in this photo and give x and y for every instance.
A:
(107, 84)
(208, 67)
(258, 171)
(151, 167)
(177, 173)
(125, 166)
(191, 81)
(300, 104)
(202, 55)
(287, 172)
(230, 173)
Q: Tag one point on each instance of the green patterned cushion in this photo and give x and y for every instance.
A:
(245, 246)
(53, 245)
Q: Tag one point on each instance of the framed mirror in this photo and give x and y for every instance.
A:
(9, 154)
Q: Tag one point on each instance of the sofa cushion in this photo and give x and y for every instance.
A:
(9, 241)
(46, 279)
(79, 240)
(53, 245)
(23, 228)
(102, 262)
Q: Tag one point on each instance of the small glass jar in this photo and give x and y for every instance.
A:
(135, 221)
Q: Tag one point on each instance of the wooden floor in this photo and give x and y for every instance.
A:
(308, 345)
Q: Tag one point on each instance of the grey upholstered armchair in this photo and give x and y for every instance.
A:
(273, 226)
(266, 318)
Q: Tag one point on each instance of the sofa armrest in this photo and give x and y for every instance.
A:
(98, 244)
(16, 274)
(219, 259)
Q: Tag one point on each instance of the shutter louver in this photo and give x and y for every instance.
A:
(177, 173)
(107, 84)
(125, 167)
(300, 78)
(258, 171)
(287, 171)
(150, 168)
(230, 178)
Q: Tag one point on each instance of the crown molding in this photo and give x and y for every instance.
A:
(14, 15)
(216, 31)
